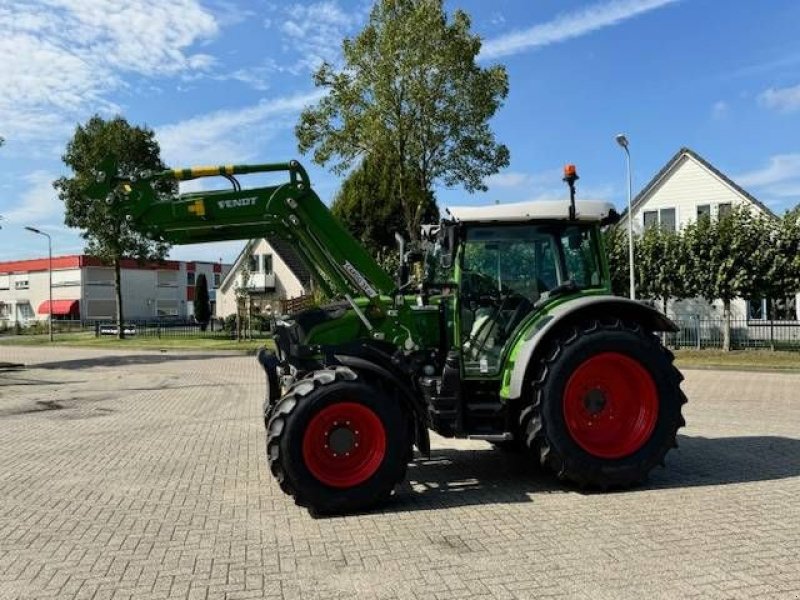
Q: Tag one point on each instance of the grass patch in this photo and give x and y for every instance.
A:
(740, 360)
(88, 340)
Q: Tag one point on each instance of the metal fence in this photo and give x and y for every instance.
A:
(173, 328)
(696, 332)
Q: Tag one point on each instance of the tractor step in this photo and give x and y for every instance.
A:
(496, 437)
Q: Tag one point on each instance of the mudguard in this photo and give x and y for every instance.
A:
(583, 307)
(412, 401)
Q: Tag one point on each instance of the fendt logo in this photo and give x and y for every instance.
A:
(238, 202)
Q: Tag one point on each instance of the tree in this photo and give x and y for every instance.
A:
(410, 90)
(241, 292)
(202, 304)
(726, 259)
(616, 246)
(369, 204)
(782, 276)
(661, 266)
(108, 233)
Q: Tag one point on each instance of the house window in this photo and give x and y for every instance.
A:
(190, 277)
(703, 210)
(21, 284)
(667, 218)
(757, 309)
(167, 308)
(723, 210)
(252, 263)
(24, 311)
(217, 279)
(783, 309)
(5, 310)
(267, 263)
(167, 278)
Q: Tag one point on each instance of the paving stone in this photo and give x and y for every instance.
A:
(142, 475)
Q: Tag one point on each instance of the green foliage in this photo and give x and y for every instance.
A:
(229, 322)
(202, 303)
(107, 232)
(103, 224)
(782, 276)
(660, 266)
(411, 91)
(616, 244)
(729, 258)
(370, 207)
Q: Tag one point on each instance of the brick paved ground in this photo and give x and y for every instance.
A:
(142, 475)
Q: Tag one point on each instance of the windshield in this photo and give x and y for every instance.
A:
(506, 270)
(529, 260)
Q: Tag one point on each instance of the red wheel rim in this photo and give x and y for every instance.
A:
(344, 444)
(611, 405)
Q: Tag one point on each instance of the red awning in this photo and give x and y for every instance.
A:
(60, 307)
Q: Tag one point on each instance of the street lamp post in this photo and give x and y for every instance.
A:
(49, 275)
(622, 140)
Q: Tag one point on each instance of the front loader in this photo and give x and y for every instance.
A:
(510, 335)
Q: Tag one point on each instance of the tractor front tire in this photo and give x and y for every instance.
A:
(338, 444)
(606, 405)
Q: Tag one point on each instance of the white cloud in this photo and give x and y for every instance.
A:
(39, 204)
(596, 192)
(497, 19)
(720, 110)
(776, 182)
(235, 134)
(508, 179)
(64, 57)
(313, 33)
(780, 168)
(568, 26)
(781, 99)
(516, 179)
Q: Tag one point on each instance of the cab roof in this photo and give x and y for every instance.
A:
(586, 210)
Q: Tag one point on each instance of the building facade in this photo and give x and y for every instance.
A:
(83, 289)
(686, 188)
(271, 272)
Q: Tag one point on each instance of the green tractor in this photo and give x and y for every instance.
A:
(508, 334)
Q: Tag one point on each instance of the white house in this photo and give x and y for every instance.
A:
(276, 274)
(686, 187)
(83, 288)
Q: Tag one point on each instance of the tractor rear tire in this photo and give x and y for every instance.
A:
(338, 444)
(606, 405)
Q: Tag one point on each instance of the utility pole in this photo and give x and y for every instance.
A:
(622, 140)
(49, 274)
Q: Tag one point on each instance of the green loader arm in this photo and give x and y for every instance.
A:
(291, 211)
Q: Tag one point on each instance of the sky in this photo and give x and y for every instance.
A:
(223, 82)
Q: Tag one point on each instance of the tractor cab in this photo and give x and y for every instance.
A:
(508, 262)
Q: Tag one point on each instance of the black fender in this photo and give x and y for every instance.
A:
(269, 362)
(413, 402)
(572, 311)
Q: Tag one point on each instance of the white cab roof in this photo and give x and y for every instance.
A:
(586, 210)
